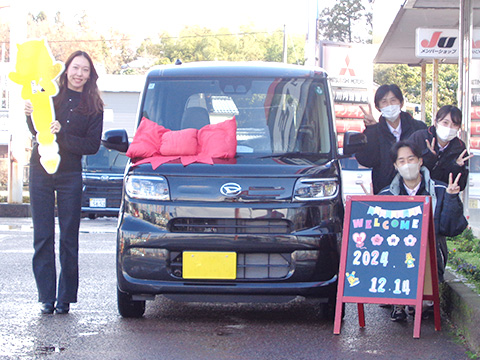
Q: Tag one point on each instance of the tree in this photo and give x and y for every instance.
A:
(41, 16)
(110, 50)
(113, 49)
(339, 22)
(201, 44)
(5, 41)
(409, 80)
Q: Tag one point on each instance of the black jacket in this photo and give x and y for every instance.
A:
(448, 215)
(80, 134)
(447, 208)
(376, 154)
(445, 162)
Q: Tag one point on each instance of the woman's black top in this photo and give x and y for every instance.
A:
(80, 134)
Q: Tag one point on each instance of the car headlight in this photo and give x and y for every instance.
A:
(146, 187)
(315, 189)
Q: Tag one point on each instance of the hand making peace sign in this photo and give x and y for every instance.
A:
(453, 187)
(431, 146)
(461, 160)
(368, 118)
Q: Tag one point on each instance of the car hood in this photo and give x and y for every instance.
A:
(239, 179)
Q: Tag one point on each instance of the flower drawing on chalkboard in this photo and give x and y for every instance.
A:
(359, 239)
(377, 240)
(393, 240)
(410, 240)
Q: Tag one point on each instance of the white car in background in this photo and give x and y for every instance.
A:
(356, 179)
(474, 181)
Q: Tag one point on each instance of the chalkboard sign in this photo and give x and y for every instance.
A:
(386, 240)
(384, 249)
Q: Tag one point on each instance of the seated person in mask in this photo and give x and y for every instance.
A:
(394, 125)
(414, 179)
(442, 151)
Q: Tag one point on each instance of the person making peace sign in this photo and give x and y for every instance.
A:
(414, 179)
(442, 151)
(394, 125)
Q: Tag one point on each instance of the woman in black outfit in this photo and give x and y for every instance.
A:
(78, 130)
(443, 152)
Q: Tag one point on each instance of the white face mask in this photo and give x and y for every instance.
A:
(445, 133)
(391, 112)
(409, 171)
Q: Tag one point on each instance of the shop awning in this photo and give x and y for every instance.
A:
(398, 46)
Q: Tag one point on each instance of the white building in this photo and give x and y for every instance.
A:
(120, 93)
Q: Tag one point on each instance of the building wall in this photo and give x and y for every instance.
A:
(120, 110)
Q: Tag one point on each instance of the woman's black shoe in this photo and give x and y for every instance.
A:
(62, 308)
(47, 308)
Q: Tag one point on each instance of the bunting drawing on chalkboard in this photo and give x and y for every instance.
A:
(394, 214)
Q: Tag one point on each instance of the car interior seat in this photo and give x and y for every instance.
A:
(195, 117)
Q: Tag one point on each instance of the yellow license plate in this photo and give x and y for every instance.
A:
(473, 203)
(209, 265)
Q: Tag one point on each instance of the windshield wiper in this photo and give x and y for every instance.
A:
(293, 154)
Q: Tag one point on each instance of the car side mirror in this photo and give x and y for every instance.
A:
(116, 139)
(353, 142)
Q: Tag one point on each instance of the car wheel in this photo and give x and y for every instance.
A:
(129, 308)
(92, 216)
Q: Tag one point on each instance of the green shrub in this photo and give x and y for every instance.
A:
(466, 242)
(464, 256)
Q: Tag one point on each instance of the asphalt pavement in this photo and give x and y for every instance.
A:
(171, 330)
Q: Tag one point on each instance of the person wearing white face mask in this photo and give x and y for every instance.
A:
(414, 179)
(442, 150)
(394, 125)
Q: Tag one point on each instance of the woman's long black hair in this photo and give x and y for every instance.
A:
(91, 102)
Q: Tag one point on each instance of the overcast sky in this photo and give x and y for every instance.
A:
(147, 18)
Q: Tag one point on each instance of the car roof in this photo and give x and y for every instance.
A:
(236, 69)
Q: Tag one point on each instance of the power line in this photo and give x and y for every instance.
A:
(161, 37)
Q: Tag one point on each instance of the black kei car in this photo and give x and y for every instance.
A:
(264, 226)
(102, 175)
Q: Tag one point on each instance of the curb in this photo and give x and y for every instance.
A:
(462, 305)
(15, 210)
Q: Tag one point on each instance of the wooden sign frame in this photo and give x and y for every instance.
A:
(425, 276)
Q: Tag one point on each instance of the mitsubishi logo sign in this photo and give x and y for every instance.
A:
(344, 70)
(348, 65)
(231, 189)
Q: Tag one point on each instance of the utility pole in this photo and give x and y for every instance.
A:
(312, 38)
(285, 44)
(16, 145)
(464, 61)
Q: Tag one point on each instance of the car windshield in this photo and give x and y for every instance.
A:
(274, 116)
(105, 160)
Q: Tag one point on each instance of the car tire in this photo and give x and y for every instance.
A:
(92, 216)
(129, 308)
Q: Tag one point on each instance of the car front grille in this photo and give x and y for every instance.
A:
(112, 192)
(230, 226)
(250, 266)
